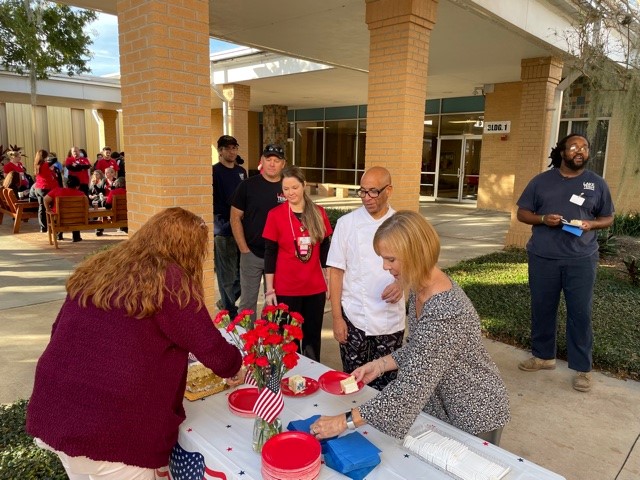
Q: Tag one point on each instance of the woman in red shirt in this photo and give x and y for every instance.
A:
(296, 246)
(78, 166)
(15, 165)
(45, 181)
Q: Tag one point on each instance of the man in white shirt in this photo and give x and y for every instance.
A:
(367, 303)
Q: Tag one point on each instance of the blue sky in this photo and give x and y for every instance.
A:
(104, 33)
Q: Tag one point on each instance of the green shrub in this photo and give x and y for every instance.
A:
(497, 284)
(335, 213)
(20, 458)
(626, 224)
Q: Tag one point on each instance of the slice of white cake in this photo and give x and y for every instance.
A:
(297, 384)
(349, 385)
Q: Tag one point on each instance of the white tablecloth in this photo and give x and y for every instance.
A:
(224, 439)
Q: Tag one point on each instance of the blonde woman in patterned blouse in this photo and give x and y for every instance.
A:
(443, 368)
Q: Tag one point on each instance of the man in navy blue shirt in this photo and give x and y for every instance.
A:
(565, 205)
(227, 175)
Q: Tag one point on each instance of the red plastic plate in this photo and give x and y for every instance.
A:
(277, 451)
(310, 387)
(330, 382)
(243, 400)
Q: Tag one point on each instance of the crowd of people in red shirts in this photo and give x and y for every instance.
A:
(75, 176)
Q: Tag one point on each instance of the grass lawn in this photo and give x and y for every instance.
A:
(497, 286)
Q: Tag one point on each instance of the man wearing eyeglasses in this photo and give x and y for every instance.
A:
(565, 205)
(251, 203)
(368, 314)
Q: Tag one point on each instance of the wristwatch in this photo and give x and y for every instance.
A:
(349, 417)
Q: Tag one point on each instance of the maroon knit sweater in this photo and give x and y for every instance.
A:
(110, 387)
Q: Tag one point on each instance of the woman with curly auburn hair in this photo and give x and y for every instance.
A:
(443, 368)
(109, 386)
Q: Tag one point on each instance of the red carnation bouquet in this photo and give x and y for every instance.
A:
(268, 343)
(269, 347)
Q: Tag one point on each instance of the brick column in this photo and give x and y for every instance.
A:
(497, 167)
(238, 97)
(540, 77)
(109, 135)
(275, 126)
(166, 105)
(398, 58)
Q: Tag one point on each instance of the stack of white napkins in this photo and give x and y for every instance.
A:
(454, 457)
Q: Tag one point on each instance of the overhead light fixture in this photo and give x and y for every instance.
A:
(428, 122)
(477, 91)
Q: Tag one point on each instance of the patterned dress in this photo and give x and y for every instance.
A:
(443, 370)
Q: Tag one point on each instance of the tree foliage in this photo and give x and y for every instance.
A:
(39, 38)
(604, 46)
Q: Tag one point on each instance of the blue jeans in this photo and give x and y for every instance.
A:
(576, 279)
(227, 264)
(251, 274)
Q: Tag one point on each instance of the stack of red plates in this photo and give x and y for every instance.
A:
(279, 462)
(241, 402)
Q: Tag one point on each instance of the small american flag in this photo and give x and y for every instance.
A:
(248, 378)
(269, 403)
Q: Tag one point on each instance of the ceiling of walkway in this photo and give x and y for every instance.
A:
(468, 47)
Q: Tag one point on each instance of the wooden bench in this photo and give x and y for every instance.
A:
(311, 188)
(73, 214)
(21, 211)
(339, 190)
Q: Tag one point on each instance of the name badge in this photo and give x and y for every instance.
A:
(577, 199)
(303, 244)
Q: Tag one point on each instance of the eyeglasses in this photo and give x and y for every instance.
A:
(575, 148)
(372, 192)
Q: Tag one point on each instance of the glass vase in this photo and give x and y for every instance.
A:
(263, 431)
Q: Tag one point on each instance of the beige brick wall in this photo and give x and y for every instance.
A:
(540, 77)
(398, 60)
(497, 167)
(166, 103)
(622, 177)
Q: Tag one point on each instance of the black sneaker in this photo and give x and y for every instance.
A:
(79, 239)
(60, 237)
(99, 233)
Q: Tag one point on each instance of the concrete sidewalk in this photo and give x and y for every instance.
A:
(580, 436)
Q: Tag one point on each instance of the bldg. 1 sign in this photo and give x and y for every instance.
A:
(497, 127)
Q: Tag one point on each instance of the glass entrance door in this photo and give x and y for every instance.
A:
(458, 167)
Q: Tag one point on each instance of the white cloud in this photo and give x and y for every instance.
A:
(104, 33)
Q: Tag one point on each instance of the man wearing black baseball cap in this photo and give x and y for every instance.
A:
(227, 141)
(227, 175)
(251, 203)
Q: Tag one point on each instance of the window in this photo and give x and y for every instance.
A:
(598, 149)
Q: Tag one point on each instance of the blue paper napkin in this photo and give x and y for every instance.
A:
(352, 454)
(357, 474)
(577, 231)
(304, 425)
